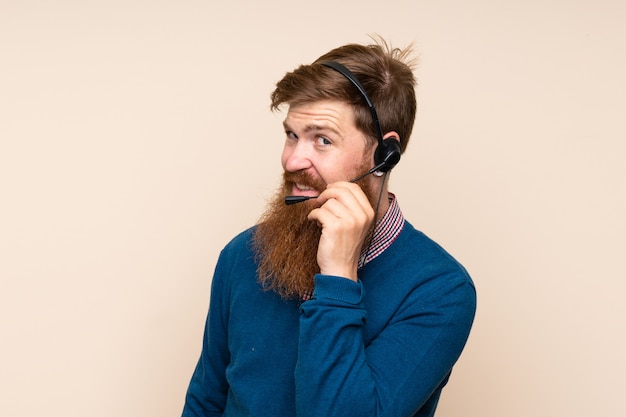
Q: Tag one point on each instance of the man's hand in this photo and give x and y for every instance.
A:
(346, 218)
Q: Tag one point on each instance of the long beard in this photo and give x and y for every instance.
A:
(286, 242)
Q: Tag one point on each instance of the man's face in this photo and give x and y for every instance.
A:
(323, 145)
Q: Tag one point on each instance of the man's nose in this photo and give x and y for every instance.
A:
(297, 157)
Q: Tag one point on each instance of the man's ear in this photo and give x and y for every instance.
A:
(388, 153)
(392, 134)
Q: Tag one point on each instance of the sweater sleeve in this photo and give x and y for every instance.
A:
(399, 371)
(208, 388)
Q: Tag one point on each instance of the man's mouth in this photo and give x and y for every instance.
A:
(303, 189)
(302, 184)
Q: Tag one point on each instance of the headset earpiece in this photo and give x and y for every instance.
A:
(387, 153)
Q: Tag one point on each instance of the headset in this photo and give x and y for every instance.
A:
(388, 151)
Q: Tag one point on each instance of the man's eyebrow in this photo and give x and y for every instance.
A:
(314, 127)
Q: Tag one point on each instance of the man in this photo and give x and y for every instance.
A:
(336, 305)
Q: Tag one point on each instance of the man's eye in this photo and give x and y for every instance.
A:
(291, 135)
(321, 140)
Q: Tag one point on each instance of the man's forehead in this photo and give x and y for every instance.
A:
(321, 114)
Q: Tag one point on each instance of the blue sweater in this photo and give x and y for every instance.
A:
(383, 346)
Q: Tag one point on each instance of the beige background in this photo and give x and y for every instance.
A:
(136, 140)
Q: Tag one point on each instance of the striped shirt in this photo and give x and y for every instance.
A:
(386, 231)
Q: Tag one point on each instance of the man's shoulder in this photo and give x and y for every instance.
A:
(237, 254)
(242, 242)
(419, 240)
(426, 253)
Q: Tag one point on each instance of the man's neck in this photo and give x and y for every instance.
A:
(383, 204)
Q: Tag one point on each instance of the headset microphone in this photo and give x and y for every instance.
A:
(293, 199)
(388, 151)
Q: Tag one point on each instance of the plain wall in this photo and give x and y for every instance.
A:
(136, 140)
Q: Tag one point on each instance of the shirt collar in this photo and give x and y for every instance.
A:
(385, 233)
